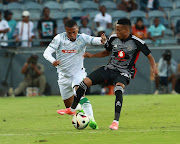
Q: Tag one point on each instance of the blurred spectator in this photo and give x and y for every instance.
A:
(33, 77)
(156, 32)
(12, 26)
(4, 29)
(46, 27)
(103, 19)
(127, 5)
(100, 31)
(147, 5)
(24, 31)
(177, 31)
(167, 67)
(61, 27)
(139, 30)
(84, 28)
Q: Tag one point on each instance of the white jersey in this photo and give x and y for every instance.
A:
(69, 53)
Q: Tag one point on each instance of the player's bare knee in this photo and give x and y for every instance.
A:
(118, 88)
(121, 84)
(88, 82)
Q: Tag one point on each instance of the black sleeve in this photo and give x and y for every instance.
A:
(108, 46)
(142, 47)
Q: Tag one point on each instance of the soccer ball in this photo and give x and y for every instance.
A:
(80, 120)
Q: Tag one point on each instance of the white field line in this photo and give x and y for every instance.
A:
(97, 131)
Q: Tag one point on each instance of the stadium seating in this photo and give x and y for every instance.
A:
(17, 14)
(93, 14)
(174, 16)
(88, 6)
(169, 41)
(110, 6)
(1, 6)
(77, 15)
(156, 13)
(32, 6)
(77, 8)
(168, 33)
(59, 15)
(35, 15)
(118, 14)
(166, 5)
(137, 13)
(15, 5)
(70, 6)
(52, 5)
(177, 4)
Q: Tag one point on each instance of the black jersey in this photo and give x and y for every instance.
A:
(125, 53)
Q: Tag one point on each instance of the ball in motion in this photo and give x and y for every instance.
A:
(80, 120)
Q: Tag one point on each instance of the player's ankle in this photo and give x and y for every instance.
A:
(116, 121)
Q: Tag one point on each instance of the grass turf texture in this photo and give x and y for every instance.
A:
(145, 119)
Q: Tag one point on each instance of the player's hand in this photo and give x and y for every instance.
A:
(56, 63)
(87, 55)
(103, 39)
(155, 71)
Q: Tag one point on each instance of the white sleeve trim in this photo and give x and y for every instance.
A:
(48, 54)
(96, 41)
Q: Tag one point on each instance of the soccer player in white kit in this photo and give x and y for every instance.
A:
(70, 48)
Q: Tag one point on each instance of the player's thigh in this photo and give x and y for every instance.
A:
(65, 87)
(78, 77)
(97, 76)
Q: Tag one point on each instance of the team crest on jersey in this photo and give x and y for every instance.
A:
(78, 42)
(121, 54)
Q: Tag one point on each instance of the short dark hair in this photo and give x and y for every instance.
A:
(70, 23)
(124, 21)
(139, 19)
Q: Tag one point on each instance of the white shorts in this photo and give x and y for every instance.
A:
(66, 84)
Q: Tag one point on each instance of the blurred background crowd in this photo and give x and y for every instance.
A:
(155, 21)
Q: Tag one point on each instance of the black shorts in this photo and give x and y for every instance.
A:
(108, 76)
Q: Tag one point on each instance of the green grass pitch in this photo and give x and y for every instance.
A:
(145, 119)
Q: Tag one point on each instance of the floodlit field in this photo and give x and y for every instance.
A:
(145, 119)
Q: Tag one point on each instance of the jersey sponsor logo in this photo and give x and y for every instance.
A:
(69, 51)
(121, 54)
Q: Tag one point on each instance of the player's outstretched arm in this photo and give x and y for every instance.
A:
(99, 40)
(48, 56)
(153, 64)
(100, 54)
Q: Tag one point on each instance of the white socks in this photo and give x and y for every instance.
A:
(87, 108)
(116, 121)
(78, 107)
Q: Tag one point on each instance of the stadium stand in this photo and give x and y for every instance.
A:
(52, 5)
(89, 6)
(32, 6)
(117, 14)
(70, 6)
(110, 6)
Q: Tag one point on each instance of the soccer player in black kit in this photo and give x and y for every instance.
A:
(124, 49)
